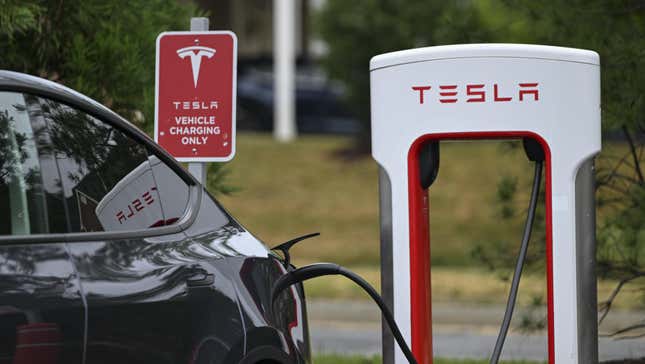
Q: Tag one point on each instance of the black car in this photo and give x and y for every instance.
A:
(110, 252)
(319, 103)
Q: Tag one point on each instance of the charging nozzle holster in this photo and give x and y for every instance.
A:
(533, 150)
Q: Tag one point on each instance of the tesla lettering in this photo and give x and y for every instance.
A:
(450, 94)
(135, 206)
(195, 105)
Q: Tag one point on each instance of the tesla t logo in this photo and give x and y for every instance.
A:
(196, 53)
(450, 94)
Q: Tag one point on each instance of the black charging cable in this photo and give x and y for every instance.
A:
(521, 258)
(535, 153)
(325, 269)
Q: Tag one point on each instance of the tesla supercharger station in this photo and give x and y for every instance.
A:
(489, 91)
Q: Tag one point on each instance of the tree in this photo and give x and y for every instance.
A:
(615, 29)
(356, 31)
(104, 49)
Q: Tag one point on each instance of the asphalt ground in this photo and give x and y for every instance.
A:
(459, 331)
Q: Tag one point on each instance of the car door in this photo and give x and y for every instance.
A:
(152, 296)
(151, 301)
(42, 314)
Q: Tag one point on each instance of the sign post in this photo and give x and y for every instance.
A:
(199, 169)
(195, 93)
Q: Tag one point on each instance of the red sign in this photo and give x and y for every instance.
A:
(195, 95)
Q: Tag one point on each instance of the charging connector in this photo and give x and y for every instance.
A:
(325, 269)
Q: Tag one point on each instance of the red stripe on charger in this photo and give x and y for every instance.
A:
(420, 290)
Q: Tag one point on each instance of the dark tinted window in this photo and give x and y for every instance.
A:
(93, 159)
(62, 170)
(23, 196)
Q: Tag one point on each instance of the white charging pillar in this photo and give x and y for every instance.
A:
(489, 91)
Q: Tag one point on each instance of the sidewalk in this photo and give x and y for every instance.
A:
(460, 331)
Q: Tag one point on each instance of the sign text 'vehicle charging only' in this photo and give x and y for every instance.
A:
(195, 95)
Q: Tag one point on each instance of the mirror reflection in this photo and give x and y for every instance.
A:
(62, 171)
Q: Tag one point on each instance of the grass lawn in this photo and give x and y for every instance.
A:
(463, 284)
(300, 187)
(338, 359)
(292, 189)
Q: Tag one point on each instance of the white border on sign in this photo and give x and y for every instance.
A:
(233, 100)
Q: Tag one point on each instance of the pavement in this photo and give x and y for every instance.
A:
(459, 331)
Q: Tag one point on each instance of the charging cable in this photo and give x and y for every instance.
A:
(326, 269)
(521, 258)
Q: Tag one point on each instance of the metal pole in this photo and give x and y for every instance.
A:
(586, 263)
(284, 127)
(198, 169)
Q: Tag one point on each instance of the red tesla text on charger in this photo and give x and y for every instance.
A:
(476, 92)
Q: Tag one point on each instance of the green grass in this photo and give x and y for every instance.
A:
(340, 359)
(300, 187)
(463, 284)
(295, 188)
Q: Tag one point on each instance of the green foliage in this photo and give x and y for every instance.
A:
(217, 179)
(18, 16)
(615, 29)
(621, 252)
(506, 189)
(358, 30)
(104, 49)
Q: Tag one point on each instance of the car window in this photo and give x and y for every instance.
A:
(63, 170)
(23, 197)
